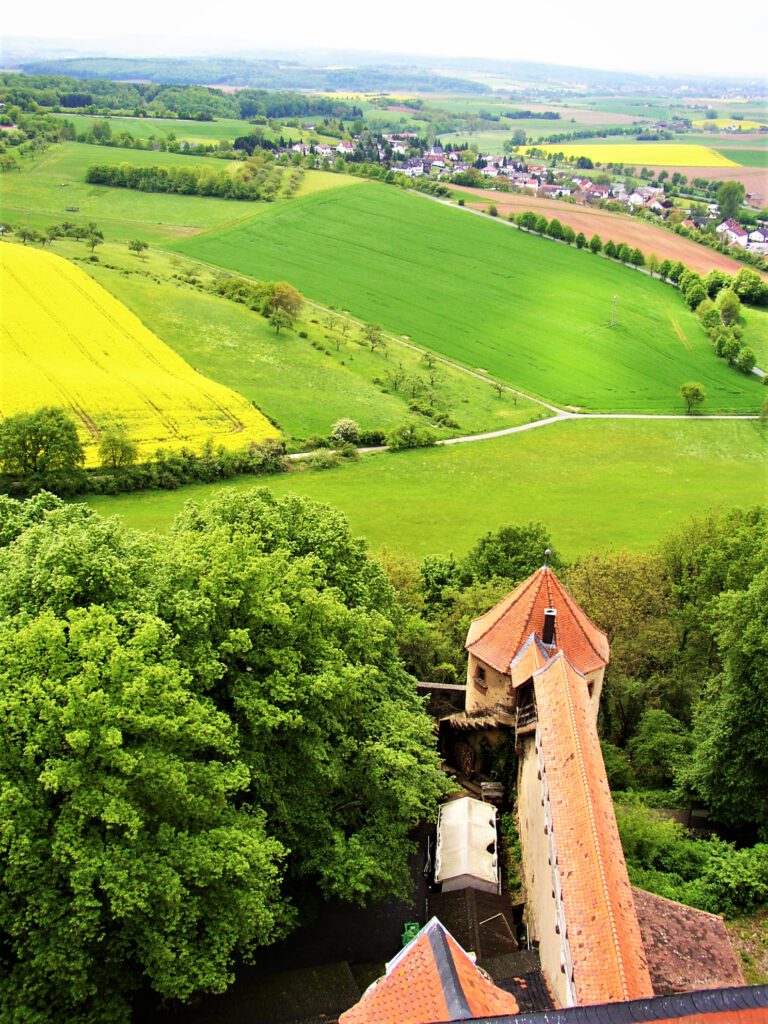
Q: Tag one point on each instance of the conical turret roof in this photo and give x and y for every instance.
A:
(496, 637)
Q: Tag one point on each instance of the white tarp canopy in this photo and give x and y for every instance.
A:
(466, 844)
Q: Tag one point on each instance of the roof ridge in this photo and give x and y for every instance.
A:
(593, 828)
(575, 607)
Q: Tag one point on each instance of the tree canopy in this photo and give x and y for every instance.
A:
(189, 728)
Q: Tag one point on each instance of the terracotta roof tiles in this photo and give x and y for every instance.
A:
(606, 946)
(431, 979)
(497, 636)
(687, 949)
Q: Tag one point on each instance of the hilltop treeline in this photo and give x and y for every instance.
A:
(255, 180)
(147, 99)
(258, 74)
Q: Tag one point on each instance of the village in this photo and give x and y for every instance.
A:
(512, 173)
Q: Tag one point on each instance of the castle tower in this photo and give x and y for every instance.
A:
(539, 655)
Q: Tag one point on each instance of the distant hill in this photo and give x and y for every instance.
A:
(258, 74)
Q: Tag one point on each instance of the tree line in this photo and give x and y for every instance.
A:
(256, 180)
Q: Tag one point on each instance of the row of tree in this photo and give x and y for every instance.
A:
(252, 181)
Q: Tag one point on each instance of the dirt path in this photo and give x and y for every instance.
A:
(616, 226)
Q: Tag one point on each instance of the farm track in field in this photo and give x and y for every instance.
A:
(616, 226)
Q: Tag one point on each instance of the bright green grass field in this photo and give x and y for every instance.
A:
(530, 311)
(596, 484)
(40, 193)
(755, 325)
(742, 155)
(304, 388)
(207, 132)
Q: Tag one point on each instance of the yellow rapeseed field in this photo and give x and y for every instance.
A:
(728, 122)
(648, 154)
(67, 342)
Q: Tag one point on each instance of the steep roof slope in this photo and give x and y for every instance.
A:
(431, 979)
(687, 949)
(609, 962)
(497, 636)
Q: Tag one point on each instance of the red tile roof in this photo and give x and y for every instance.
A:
(496, 637)
(532, 656)
(687, 949)
(431, 979)
(609, 962)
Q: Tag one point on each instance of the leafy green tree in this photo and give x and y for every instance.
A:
(581, 240)
(555, 228)
(36, 444)
(730, 197)
(624, 253)
(729, 765)
(410, 435)
(750, 287)
(664, 269)
(729, 305)
(610, 249)
(658, 749)
(636, 258)
(116, 449)
(280, 320)
(345, 431)
(177, 716)
(595, 244)
(138, 246)
(746, 359)
(128, 850)
(373, 334)
(511, 553)
(695, 295)
(692, 393)
(94, 238)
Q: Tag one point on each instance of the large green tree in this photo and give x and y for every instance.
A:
(181, 723)
(40, 443)
(730, 197)
(729, 766)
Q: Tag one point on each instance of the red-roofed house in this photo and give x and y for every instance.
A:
(431, 979)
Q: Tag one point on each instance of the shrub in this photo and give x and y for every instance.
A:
(410, 435)
(345, 431)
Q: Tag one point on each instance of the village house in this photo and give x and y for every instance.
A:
(733, 233)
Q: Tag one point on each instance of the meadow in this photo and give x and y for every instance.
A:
(68, 343)
(529, 311)
(206, 132)
(616, 483)
(303, 383)
(657, 154)
(50, 186)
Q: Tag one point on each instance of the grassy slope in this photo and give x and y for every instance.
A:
(597, 484)
(528, 310)
(40, 194)
(305, 389)
(755, 324)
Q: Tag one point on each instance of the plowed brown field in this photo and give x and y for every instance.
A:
(637, 233)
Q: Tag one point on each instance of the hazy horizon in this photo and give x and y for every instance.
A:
(605, 36)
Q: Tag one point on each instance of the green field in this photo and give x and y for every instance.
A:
(742, 155)
(755, 325)
(41, 193)
(206, 132)
(304, 384)
(596, 484)
(529, 311)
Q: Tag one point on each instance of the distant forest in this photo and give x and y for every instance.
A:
(261, 74)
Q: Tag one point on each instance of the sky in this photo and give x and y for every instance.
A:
(679, 38)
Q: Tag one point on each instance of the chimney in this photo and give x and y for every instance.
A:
(549, 626)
